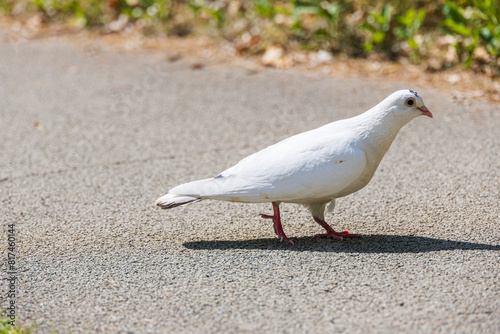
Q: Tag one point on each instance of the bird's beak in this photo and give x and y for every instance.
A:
(425, 111)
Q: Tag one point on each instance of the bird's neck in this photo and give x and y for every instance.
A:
(379, 129)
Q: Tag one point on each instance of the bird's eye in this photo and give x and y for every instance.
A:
(410, 102)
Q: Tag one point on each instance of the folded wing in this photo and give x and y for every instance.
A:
(304, 168)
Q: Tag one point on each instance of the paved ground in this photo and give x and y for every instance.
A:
(90, 138)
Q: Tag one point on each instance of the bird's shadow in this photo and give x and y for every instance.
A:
(379, 243)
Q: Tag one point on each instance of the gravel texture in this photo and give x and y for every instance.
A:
(90, 138)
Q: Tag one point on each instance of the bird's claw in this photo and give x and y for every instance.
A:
(328, 235)
(284, 237)
(347, 234)
(277, 228)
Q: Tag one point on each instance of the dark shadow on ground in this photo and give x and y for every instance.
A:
(367, 244)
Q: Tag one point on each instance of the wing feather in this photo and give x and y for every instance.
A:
(303, 168)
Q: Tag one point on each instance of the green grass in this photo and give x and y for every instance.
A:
(394, 28)
(6, 328)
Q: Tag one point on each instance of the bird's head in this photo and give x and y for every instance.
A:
(406, 104)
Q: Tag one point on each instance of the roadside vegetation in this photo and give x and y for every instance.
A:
(440, 33)
(7, 328)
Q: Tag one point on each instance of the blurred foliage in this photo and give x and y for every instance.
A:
(93, 13)
(395, 28)
(7, 328)
(476, 24)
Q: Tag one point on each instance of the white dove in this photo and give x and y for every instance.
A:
(312, 168)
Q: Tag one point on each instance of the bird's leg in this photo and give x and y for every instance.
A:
(277, 223)
(331, 233)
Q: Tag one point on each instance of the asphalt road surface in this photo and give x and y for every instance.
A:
(90, 138)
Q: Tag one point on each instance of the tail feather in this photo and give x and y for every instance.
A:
(191, 192)
(169, 201)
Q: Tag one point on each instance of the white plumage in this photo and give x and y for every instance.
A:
(312, 168)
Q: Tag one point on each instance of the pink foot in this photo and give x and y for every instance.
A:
(330, 233)
(277, 224)
(270, 217)
(282, 237)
